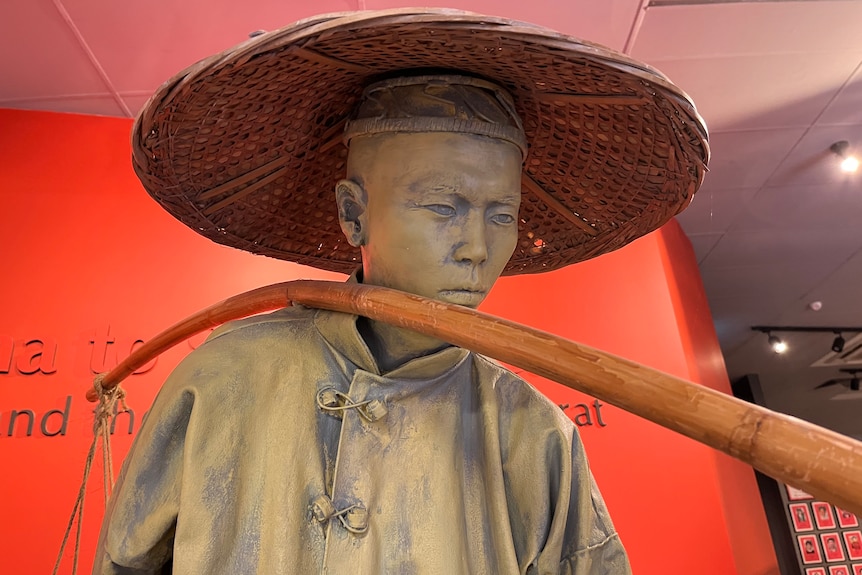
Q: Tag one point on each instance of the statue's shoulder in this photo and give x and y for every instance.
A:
(517, 399)
(250, 349)
(285, 322)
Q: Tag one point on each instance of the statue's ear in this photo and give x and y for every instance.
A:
(352, 213)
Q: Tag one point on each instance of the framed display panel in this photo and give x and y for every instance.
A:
(846, 519)
(833, 550)
(811, 537)
(823, 515)
(853, 544)
(800, 515)
(827, 538)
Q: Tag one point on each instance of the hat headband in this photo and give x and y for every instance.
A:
(438, 103)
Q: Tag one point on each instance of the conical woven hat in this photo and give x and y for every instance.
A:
(245, 147)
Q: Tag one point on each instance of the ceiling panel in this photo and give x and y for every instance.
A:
(45, 64)
(764, 90)
(775, 281)
(98, 105)
(703, 244)
(796, 207)
(734, 317)
(714, 209)
(748, 310)
(731, 164)
(135, 101)
(811, 162)
(749, 28)
(846, 108)
(787, 247)
(605, 22)
(841, 293)
(136, 57)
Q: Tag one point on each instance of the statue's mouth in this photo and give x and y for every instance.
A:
(470, 297)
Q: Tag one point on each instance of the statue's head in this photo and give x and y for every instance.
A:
(433, 185)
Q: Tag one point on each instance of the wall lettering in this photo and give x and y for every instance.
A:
(64, 419)
(108, 352)
(7, 345)
(13, 419)
(37, 355)
(584, 414)
(100, 342)
(131, 415)
(136, 343)
(22, 422)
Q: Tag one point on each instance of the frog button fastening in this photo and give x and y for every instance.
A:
(336, 402)
(353, 518)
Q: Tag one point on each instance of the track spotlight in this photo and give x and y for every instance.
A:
(849, 162)
(776, 344)
(838, 344)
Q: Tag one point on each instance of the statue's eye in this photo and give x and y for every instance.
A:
(503, 218)
(441, 209)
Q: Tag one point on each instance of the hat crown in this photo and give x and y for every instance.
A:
(437, 103)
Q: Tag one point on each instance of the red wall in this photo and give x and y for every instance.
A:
(83, 249)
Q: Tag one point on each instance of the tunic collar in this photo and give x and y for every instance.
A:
(340, 331)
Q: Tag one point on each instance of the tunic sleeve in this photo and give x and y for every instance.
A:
(579, 537)
(591, 545)
(138, 529)
(559, 521)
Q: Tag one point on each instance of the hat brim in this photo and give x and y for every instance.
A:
(245, 147)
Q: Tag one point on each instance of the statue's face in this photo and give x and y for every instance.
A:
(441, 218)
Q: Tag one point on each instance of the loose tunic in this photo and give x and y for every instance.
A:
(266, 453)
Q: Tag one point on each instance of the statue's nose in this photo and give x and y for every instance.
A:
(473, 244)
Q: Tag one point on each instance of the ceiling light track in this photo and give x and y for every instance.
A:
(780, 346)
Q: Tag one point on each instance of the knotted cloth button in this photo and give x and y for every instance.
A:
(328, 398)
(375, 409)
(355, 519)
(322, 508)
(336, 402)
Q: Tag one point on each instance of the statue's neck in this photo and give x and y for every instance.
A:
(394, 346)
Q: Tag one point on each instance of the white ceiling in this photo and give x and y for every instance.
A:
(775, 226)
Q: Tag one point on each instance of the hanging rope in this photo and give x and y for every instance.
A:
(105, 410)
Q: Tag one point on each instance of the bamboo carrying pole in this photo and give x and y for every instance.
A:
(824, 463)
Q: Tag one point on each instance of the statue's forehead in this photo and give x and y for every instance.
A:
(476, 168)
(422, 155)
